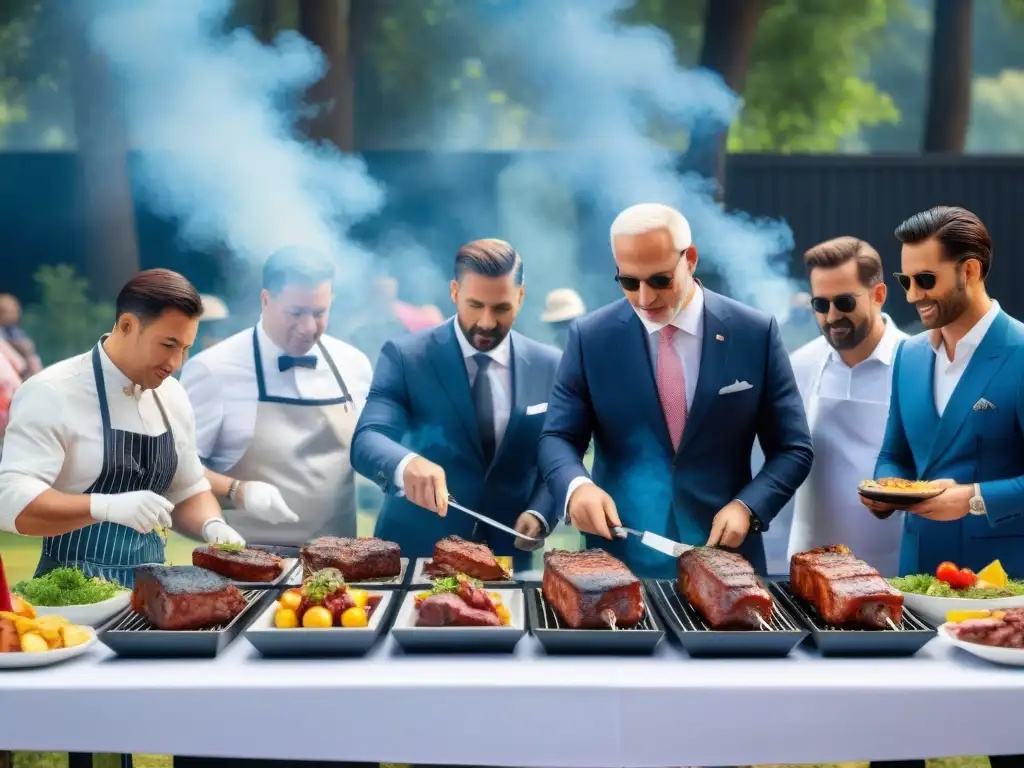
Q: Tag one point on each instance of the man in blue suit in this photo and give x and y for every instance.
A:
(459, 409)
(673, 382)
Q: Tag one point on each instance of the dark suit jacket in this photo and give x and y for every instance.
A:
(420, 401)
(606, 388)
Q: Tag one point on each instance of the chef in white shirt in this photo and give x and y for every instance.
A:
(276, 406)
(844, 377)
(100, 452)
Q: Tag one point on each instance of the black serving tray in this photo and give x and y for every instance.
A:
(700, 640)
(911, 636)
(555, 638)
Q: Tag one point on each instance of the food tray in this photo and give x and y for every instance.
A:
(132, 636)
(699, 639)
(392, 582)
(912, 635)
(421, 579)
(411, 638)
(329, 641)
(555, 638)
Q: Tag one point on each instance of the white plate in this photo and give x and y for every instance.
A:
(1013, 657)
(420, 578)
(92, 615)
(460, 639)
(320, 641)
(934, 609)
(23, 660)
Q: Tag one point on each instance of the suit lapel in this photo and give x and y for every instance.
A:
(450, 369)
(637, 357)
(520, 375)
(714, 358)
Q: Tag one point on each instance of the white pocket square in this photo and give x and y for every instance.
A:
(538, 408)
(984, 405)
(736, 386)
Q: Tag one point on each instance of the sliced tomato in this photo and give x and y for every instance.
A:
(948, 572)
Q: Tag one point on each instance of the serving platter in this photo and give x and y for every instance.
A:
(90, 614)
(412, 638)
(934, 609)
(23, 660)
(1013, 657)
(421, 579)
(892, 496)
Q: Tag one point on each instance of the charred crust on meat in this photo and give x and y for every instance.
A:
(592, 570)
(184, 579)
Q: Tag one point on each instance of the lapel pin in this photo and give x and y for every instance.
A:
(719, 337)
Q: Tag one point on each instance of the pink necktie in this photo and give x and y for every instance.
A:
(672, 385)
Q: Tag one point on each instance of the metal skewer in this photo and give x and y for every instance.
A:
(764, 624)
(892, 624)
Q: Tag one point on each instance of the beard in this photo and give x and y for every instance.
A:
(946, 309)
(483, 339)
(843, 334)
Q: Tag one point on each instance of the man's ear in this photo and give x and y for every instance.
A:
(880, 293)
(454, 288)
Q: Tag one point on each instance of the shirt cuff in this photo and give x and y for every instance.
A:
(201, 485)
(539, 516)
(399, 479)
(581, 480)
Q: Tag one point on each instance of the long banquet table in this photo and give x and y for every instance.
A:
(524, 709)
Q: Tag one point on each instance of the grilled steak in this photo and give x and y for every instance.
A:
(179, 597)
(241, 565)
(1004, 629)
(845, 591)
(591, 589)
(723, 588)
(357, 559)
(450, 610)
(454, 555)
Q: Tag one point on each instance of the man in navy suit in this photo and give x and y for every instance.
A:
(673, 382)
(458, 409)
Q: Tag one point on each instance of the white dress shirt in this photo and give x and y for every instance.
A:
(55, 437)
(948, 372)
(221, 383)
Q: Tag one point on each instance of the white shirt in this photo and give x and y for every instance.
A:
(55, 437)
(948, 372)
(221, 383)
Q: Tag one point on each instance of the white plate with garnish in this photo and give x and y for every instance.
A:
(78, 598)
(1013, 657)
(27, 660)
(93, 614)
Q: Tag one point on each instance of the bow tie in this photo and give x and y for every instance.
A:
(287, 362)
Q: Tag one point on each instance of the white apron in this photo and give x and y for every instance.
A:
(846, 435)
(302, 448)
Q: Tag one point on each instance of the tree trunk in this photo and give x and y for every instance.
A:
(266, 22)
(949, 88)
(325, 23)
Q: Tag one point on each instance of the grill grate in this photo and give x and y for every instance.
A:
(910, 622)
(690, 620)
(549, 618)
(136, 622)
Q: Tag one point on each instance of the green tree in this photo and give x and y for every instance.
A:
(64, 322)
(997, 112)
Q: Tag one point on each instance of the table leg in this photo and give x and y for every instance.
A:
(79, 760)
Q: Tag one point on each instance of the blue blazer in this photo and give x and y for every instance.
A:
(606, 388)
(984, 446)
(420, 401)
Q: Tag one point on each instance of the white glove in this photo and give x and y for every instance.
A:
(143, 511)
(265, 502)
(216, 531)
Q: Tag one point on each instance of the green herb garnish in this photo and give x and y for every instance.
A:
(66, 586)
(228, 547)
(451, 584)
(322, 584)
(923, 584)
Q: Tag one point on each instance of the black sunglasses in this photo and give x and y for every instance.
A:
(925, 280)
(657, 282)
(845, 303)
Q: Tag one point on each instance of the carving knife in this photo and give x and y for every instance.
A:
(482, 518)
(654, 541)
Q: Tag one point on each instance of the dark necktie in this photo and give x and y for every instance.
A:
(483, 401)
(287, 362)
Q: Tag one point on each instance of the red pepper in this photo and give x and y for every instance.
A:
(6, 604)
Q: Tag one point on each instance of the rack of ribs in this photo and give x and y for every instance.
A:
(454, 555)
(845, 591)
(591, 589)
(723, 587)
(357, 559)
(239, 564)
(183, 597)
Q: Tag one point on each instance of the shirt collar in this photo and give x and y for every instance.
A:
(501, 354)
(114, 377)
(690, 318)
(972, 338)
(885, 349)
(270, 352)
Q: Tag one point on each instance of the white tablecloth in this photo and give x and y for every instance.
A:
(528, 709)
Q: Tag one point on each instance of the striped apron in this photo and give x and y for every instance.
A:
(131, 462)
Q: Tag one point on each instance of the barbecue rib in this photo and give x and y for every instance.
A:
(177, 597)
(241, 565)
(591, 589)
(843, 589)
(454, 555)
(723, 588)
(357, 559)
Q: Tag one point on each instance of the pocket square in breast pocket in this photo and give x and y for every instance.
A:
(538, 408)
(736, 386)
(984, 405)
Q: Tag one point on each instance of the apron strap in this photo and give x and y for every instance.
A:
(337, 374)
(261, 383)
(101, 392)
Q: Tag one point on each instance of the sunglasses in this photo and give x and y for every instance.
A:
(925, 280)
(844, 302)
(657, 282)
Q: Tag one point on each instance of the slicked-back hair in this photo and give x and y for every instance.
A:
(154, 291)
(839, 250)
(296, 265)
(960, 233)
(489, 257)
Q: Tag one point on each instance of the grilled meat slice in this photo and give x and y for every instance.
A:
(357, 559)
(845, 591)
(240, 565)
(454, 555)
(590, 589)
(450, 610)
(181, 597)
(1004, 629)
(722, 586)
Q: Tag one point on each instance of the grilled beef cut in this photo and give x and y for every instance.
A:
(722, 586)
(592, 589)
(241, 565)
(453, 555)
(1003, 629)
(357, 559)
(178, 597)
(450, 610)
(845, 591)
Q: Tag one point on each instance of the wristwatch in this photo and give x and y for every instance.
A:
(976, 506)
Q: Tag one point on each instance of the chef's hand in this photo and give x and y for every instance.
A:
(591, 510)
(730, 526)
(264, 501)
(216, 531)
(424, 484)
(143, 511)
(952, 504)
(529, 524)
